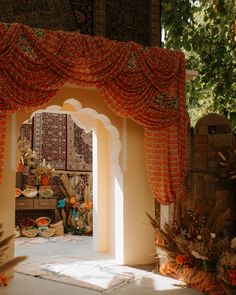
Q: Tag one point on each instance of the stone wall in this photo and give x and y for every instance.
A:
(212, 134)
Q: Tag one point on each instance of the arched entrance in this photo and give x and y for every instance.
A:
(135, 82)
(133, 227)
(107, 176)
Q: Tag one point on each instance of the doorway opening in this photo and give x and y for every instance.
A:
(107, 178)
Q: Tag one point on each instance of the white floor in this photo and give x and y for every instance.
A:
(81, 249)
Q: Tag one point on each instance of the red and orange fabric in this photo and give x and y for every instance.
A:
(144, 84)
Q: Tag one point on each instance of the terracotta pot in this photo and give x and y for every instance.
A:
(45, 180)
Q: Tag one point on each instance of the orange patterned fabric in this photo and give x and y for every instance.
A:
(144, 84)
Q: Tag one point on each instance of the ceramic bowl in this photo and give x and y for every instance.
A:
(30, 192)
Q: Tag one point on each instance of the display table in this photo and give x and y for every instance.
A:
(23, 203)
(35, 207)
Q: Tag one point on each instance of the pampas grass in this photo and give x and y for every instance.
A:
(194, 241)
(220, 222)
(68, 189)
(4, 244)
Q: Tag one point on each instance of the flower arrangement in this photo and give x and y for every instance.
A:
(27, 156)
(77, 210)
(5, 266)
(43, 170)
(195, 249)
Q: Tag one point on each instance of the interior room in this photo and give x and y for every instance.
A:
(42, 165)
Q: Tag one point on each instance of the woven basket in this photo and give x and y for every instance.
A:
(18, 192)
(46, 233)
(43, 221)
(59, 228)
(29, 232)
(26, 222)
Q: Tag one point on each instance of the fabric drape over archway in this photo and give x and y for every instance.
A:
(144, 84)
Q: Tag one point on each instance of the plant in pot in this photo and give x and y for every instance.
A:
(44, 173)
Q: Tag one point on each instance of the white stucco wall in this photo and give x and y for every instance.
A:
(123, 187)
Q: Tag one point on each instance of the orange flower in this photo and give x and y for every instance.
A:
(180, 259)
(232, 276)
(4, 280)
(160, 241)
(88, 205)
(72, 200)
(165, 268)
(75, 205)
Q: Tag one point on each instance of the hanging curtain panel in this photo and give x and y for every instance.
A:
(144, 84)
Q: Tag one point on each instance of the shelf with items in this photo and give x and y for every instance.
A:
(51, 198)
(34, 214)
(23, 203)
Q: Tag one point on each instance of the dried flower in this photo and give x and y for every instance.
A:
(181, 259)
(7, 265)
(232, 276)
(213, 235)
(43, 170)
(233, 243)
(3, 280)
(28, 157)
(88, 205)
(206, 252)
(165, 268)
(196, 255)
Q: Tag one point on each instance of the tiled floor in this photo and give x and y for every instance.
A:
(80, 249)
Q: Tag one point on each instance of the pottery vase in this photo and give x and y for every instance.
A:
(45, 180)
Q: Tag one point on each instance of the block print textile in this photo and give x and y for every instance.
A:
(144, 84)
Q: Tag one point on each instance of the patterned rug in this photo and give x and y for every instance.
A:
(95, 275)
(56, 138)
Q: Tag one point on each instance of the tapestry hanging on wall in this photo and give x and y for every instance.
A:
(66, 15)
(26, 130)
(127, 20)
(58, 140)
(123, 20)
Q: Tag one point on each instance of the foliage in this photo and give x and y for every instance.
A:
(204, 31)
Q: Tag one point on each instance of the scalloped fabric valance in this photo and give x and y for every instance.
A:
(144, 84)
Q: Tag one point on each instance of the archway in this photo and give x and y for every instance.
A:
(146, 85)
(107, 176)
